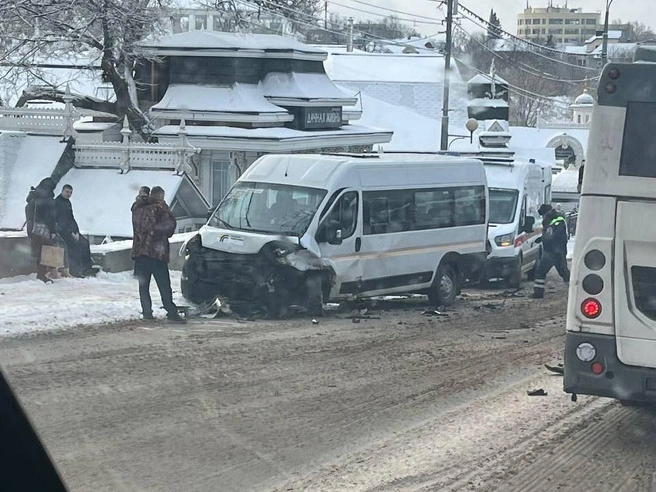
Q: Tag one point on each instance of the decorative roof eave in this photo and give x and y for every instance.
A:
(281, 145)
(233, 53)
(351, 114)
(312, 103)
(190, 115)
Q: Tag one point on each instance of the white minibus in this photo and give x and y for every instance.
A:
(611, 316)
(306, 229)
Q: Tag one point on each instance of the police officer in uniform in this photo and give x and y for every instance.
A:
(554, 248)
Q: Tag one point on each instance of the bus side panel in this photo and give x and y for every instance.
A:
(593, 232)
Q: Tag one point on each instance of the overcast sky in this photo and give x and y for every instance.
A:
(627, 10)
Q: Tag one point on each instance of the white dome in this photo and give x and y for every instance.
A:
(584, 99)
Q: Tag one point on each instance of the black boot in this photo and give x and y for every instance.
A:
(41, 271)
(538, 294)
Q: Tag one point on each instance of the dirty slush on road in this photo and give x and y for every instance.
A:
(400, 397)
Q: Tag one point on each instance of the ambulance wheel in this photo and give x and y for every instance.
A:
(445, 286)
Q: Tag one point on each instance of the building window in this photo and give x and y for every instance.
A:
(571, 31)
(544, 31)
(222, 179)
(587, 118)
(555, 31)
(521, 22)
(572, 21)
(555, 21)
(544, 21)
(201, 22)
(579, 119)
(536, 21)
(536, 31)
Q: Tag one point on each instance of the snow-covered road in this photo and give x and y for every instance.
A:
(28, 305)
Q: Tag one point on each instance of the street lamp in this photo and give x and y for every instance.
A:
(604, 46)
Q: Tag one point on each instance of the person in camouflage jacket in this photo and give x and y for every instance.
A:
(153, 224)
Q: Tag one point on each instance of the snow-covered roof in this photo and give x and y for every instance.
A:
(236, 98)
(612, 34)
(573, 49)
(24, 161)
(584, 99)
(277, 139)
(618, 50)
(413, 132)
(486, 79)
(303, 86)
(379, 67)
(102, 197)
(486, 102)
(214, 43)
(566, 181)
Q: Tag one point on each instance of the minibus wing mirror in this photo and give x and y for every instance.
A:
(330, 232)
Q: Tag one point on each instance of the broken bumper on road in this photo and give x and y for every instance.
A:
(616, 379)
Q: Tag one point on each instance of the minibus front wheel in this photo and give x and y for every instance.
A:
(445, 286)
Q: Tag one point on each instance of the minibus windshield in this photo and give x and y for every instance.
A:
(268, 207)
(503, 205)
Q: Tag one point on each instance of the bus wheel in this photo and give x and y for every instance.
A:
(445, 286)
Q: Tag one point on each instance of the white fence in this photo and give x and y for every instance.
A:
(126, 155)
(123, 157)
(46, 121)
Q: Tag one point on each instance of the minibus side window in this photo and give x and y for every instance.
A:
(345, 212)
(470, 206)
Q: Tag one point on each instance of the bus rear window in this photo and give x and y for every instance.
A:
(639, 145)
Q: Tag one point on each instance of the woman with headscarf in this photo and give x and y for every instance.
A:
(41, 222)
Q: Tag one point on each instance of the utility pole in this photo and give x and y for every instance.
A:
(604, 45)
(444, 142)
(325, 15)
(349, 46)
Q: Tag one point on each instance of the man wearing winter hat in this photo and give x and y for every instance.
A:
(554, 248)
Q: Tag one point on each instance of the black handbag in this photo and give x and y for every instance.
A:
(39, 228)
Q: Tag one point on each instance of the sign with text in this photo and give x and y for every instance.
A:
(320, 118)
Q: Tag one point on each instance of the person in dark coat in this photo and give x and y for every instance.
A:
(77, 246)
(554, 249)
(40, 217)
(153, 224)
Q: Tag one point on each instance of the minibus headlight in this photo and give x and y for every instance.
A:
(586, 352)
(505, 240)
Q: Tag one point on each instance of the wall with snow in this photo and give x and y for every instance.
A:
(24, 161)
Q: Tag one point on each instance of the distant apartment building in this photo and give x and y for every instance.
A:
(565, 25)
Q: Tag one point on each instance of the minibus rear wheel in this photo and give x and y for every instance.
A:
(445, 286)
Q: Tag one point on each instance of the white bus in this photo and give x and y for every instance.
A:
(303, 229)
(611, 317)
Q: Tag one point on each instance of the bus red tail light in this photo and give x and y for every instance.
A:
(591, 308)
(597, 367)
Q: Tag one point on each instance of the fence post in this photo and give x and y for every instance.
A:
(183, 150)
(126, 133)
(68, 113)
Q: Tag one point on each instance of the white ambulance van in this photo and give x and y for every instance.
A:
(517, 188)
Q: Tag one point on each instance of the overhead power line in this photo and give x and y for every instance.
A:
(523, 66)
(523, 42)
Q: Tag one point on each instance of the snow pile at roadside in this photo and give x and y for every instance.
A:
(28, 305)
(570, 248)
